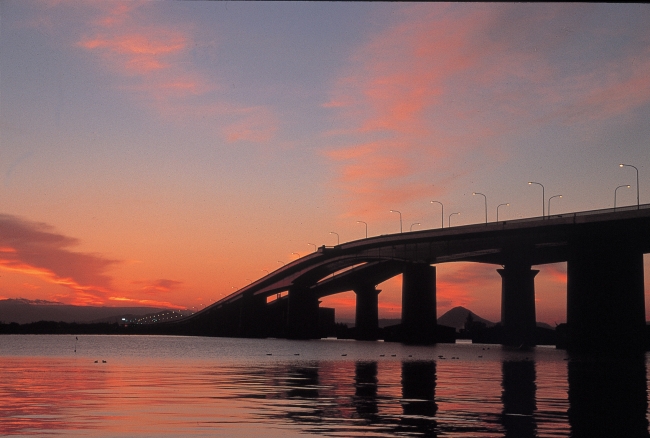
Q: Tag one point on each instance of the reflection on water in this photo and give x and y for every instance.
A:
(166, 386)
(608, 398)
(518, 398)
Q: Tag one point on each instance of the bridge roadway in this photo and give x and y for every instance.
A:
(605, 287)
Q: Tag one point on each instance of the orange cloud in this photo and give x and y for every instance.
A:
(158, 286)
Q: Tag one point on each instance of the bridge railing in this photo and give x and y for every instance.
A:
(581, 213)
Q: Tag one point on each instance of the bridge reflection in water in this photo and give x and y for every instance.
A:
(606, 399)
(605, 286)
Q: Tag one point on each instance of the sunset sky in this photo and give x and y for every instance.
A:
(168, 153)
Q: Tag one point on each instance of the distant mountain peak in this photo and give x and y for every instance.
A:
(457, 316)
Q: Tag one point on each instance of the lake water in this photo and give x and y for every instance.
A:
(152, 386)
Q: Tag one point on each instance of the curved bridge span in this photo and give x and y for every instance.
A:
(605, 286)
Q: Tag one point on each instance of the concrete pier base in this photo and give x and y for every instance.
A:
(518, 304)
(605, 295)
(367, 313)
(302, 314)
(419, 304)
(252, 318)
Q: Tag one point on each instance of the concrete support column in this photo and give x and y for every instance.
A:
(252, 317)
(367, 314)
(518, 304)
(302, 314)
(419, 304)
(605, 295)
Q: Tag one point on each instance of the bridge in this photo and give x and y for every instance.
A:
(605, 285)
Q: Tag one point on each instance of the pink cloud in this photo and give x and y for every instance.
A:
(444, 82)
(151, 61)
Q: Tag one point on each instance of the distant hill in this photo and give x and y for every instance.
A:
(457, 316)
(25, 311)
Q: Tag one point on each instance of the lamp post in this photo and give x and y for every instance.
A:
(442, 213)
(416, 223)
(400, 219)
(313, 245)
(615, 190)
(543, 198)
(338, 241)
(264, 270)
(548, 210)
(296, 254)
(281, 262)
(449, 222)
(477, 193)
(500, 205)
(362, 222)
(637, 182)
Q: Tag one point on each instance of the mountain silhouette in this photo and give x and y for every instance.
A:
(457, 316)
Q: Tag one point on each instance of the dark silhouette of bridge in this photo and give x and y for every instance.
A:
(605, 286)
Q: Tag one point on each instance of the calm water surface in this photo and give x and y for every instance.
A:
(152, 386)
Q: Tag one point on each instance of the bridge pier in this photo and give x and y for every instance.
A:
(419, 304)
(302, 313)
(367, 313)
(518, 304)
(605, 294)
(252, 316)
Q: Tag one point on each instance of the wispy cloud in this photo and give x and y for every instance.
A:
(445, 82)
(157, 287)
(154, 64)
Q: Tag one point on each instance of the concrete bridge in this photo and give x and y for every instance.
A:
(605, 286)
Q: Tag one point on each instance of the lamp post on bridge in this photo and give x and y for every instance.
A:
(362, 222)
(548, 210)
(400, 219)
(637, 182)
(296, 254)
(338, 240)
(442, 213)
(477, 193)
(449, 222)
(500, 205)
(416, 223)
(615, 190)
(315, 249)
(543, 198)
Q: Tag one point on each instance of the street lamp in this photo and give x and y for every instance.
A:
(449, 222)
(313, 245)
(500, 205)
(281, 262)
(477, 193)
(296, 254)
(400, 219)
(362, 222)
(442, 213)
(615, 190)
(337, 237)
(533, 182)
(264, 270)
(637, 182)
(548, 210)
(417, 223)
